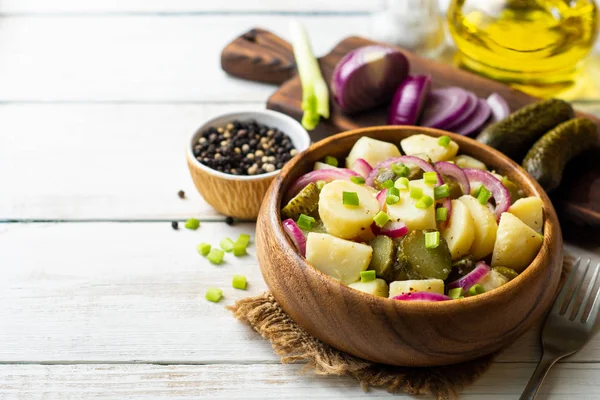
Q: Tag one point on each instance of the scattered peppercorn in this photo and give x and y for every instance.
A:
(181, 194)
(229, 221)
(174, 225)
(244, 148)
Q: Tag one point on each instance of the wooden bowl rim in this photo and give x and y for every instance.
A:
(551, 224)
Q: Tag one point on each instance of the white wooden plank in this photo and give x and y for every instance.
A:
(118, 292)
(100, 161)
(502, 381)
(140, 59)
(186, 6)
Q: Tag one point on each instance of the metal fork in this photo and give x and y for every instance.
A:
(568, 327)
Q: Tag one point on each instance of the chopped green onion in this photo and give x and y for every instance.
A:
(203, 248)
(392, 199)
(430, 178)
(239, 282)
(315, 94)
(305, 222)
(416, 192)
(213, 294)
(350, 198)
(239, 249)
(388, 184)
(192, 224)
(227, 244)
(444, 141)
(359, 180)
(400, 169)
(424, 202)
(243, 239)
(455, 293)
(477, 191)
(441, 192)
(441, 214)
(402, 183)
(484, 195)
(432, 240)
(331, 161)
(215, 256)
(320, 184)
(393, 191)
(367, 276)
(476, 289)
(381, 219)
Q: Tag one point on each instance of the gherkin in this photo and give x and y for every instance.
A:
(305, 202)
(508, 273)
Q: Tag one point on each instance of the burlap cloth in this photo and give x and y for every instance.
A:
(294, 344)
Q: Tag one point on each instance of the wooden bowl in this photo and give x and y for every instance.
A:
(236, 195)
(405, 333)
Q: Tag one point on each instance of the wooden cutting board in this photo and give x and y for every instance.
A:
(261, 56)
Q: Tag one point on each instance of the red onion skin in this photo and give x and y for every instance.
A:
(424, 165)
(362, 167)
(472, 105)
(381, 198)
(499, 107)
(444, 106)
(295, 235)
(476, 120)
(326, 175)
(499, 192)
(361, 82)
(393, 229)
(422, 296)
(408, 100)
(445, 168)
(472, 278)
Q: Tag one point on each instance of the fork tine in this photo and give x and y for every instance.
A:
(595, 308)
(589, 293)
(563, 292)
(571, 304)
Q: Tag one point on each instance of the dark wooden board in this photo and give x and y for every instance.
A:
(261, 56)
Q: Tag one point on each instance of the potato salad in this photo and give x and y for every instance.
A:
(419, 222)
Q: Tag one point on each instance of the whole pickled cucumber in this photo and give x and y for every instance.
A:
(548, 157)
(515, 134)
(305, 202)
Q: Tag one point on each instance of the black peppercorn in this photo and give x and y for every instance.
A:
(174, 225)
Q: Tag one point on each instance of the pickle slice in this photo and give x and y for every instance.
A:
(508, 273)
(383, 256)
(418, 260)
(305, 202)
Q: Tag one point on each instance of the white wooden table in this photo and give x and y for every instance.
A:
(99, 297)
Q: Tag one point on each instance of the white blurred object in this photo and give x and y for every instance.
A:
(416, 25)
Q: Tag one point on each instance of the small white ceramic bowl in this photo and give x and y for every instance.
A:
(240, 196)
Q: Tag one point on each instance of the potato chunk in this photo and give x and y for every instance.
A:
(485, 227)
(530, 211)
(460, 232)
(429, 145)
(377, 287)
(516, 243)
(341, 259)
(425, 285)
(372, 151)
(465, 161)
(406, 211)
(345, 221)
(492, 281)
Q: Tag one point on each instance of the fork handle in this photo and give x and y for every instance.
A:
(547, 361)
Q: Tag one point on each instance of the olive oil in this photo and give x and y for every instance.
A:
(529, 42)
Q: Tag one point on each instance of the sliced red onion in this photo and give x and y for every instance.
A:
(381, 198)
(471, 106)
(361, 167)
(422, 296)
(475, 120)
(408, 100)
(500, 194)
(445, 168)
(447, 204)
(500, 108)
(326, 175)
(367, 77)
(393, 229)
(470, 279)
(444, 106)
(295, 235)
(419, 162)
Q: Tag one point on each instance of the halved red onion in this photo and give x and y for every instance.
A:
(422, 296)
(476, 120)
(499, 107)
(500, 194)
(419, 162)
(471, 106)
(470, 279)
(326, 175)
(408, 100)
(361, 167)
(393, 229)
(367, 77)
(295, 235)
(443, 106)
(445, 168)
(381, 198)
